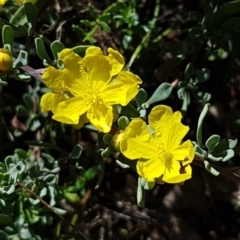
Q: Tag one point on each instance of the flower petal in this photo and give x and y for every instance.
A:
(101, 117)
(2, 2)
(72, 78)
(123, 90)
(184, 153)
(173, 174)
(137, 142)
(167, 125)
(116, 61)
(49, 101)
(150, 169)
(98, 67)
(70, 110)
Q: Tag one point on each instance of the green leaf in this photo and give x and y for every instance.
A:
(122, 165)
(3, 235)
(211, 142)
(7, 35)
(123, 122)
(56, 48)
(92, 172)
(210, 169)
(35, 124)
(225, 144)
(80, 50)
(51, 195)
(9, 160)
(140, 194)
(200, 124)
(189, 70)
(147, 185)
(6, 220)
(201, 96)
(141, 97)
(124, 162)
(129, 111)
(226, 155)
(105, 17)
(30, 29)
(50, 179)
(87, 23)
(105, 27)
(41, 51)
(60, 211)
(160, 94)
(22, 59)
(203, 75)
(92, 11)
(200, 152)
(183, 93)
(31, 13)
(19, 17)
(76, 152)
(107, 138)
(22, 111)
(20, 167)
(215, 159)
(28, 101)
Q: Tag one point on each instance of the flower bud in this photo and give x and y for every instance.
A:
(6, 61)
(116, 139)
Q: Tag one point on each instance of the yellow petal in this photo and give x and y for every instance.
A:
(49, 101)
(167, 125)
(116, 61)
(138, 142)
(70, 110)
(123, 90)
(101, 117)
(2, 2)
(150, 169)
(173, 174)
(98, 67)
(184, 153)
(72, 78)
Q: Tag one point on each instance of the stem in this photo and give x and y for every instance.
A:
(146, 37)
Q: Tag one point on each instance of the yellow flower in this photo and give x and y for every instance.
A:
(161, 155)
(6, 61)
(87, 88)
(2, 2)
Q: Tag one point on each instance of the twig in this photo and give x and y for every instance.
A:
(52, 209)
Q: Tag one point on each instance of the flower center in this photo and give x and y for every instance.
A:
(164, 155)
(92, 96)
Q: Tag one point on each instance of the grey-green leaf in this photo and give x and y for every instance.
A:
(31, 13)
(41, 50)
(56, 48)
(210, 169)
(211, 142)
(200, 124)
(161, 93)
(141, 97)
(201, 153)
(7, 35)
(147, 185)
(140, 194)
